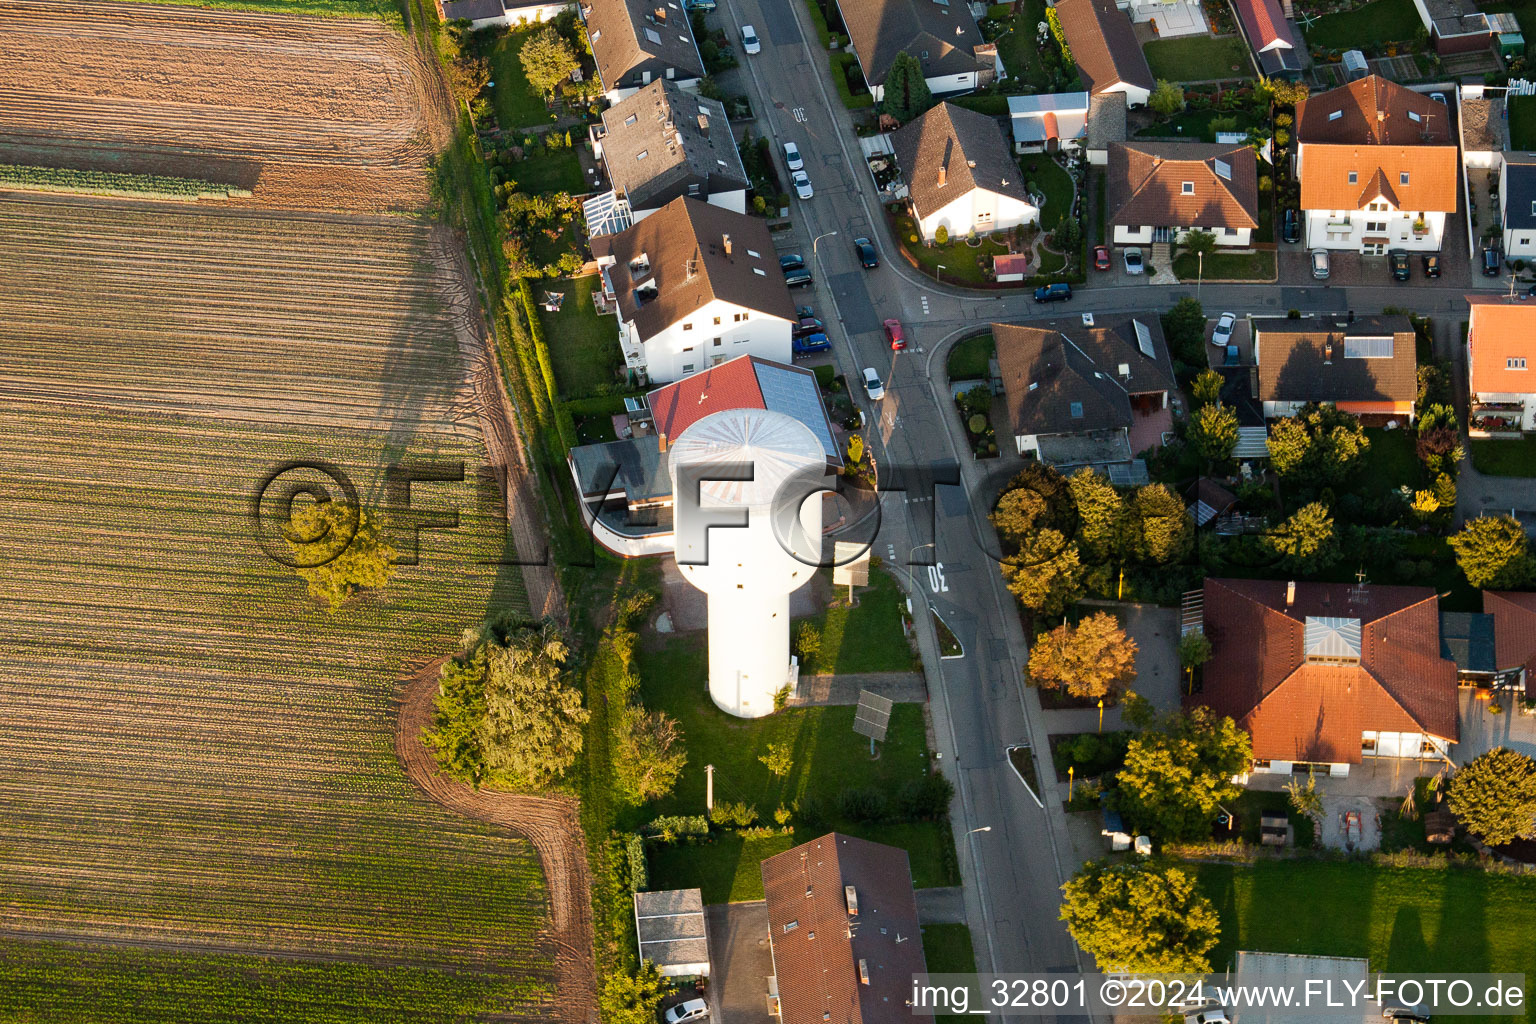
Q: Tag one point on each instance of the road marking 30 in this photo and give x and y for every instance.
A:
(800, 115)
(936, 580)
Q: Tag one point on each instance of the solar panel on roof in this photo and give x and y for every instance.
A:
(1143, 338)
(1368, 348)
(794, 394)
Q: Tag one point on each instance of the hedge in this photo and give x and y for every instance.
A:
(819, 20)
(639, 871)
(840, 62)
(994, 106)
(113, 183)
(541, 354)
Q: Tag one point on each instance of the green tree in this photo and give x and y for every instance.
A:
(1161, 528)
(1205, 389)
(1194, 650)
(1140, 917)
(1198, 242)
(547, 60)
(460, 708)
(1319, 446)
(649, 756)
(633, 998)
(1305, 799)
(1101, 515)
(1184, 327)
(1047, 573)
(807, 644)
(339, 550)
(532, 729)
(1167, 98)
(1213, 432)
(1495, 796)
(1306, 542)
(467, 75)
(941, 235)
(1092, 659)
(1179, 769)
(1493, 552)
(906, 88)
(855, 450)
(1018, 514)
(780, 759)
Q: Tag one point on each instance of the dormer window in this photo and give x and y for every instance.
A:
(642, 154)
(1354, 177)
(1402, 179)
(631, 119)
(1189, 188)
(645, 291)
(640, 264)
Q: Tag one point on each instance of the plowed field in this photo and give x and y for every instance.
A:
(326, 113)
(198, 781)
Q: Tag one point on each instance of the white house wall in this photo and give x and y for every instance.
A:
(679, 351)
(1347, 229)
(1527, 402)
(981, 210)
(1239, 238)
(942, 84)
(1135, 95)
(522, 16)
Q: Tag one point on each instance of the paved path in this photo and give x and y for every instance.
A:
(941, 906)
(901, 687)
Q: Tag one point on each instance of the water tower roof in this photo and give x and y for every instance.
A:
(774, 444)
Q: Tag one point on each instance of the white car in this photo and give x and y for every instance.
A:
(749, 40)
(693, 1009)
(802, 185)
(792, 156)
(872, 386)
(1224, 326)
(1133, 261)
(1208, 1017)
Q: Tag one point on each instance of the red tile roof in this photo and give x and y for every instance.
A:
(731, 385)
(1264, 23)
(1500, 331)
(1301, 710)
(1514, 631)
(1103, 44)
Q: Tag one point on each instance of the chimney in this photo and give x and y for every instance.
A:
(726, 241)
(1328, 350)
(943, 175)
(704, 123)
(1290, 593)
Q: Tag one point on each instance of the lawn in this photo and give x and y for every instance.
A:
(1522, 121)
(583, 343)
(1195, 125)
(1045, 175)
(947, 950)
(955, 261)
(1402, 919)
(517, 104)
(1383, 21)
(1501, 457)
(1017, 47)
(1198, 58)
(968, 359)
(1227, 266)
(559, 171)
(829, 758)
(1389, 463)
(867, 638)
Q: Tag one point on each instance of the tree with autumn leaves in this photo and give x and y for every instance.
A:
(1091, 660)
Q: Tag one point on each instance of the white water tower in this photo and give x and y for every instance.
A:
(748, 571)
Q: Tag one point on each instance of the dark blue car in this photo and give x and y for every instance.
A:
(1059, 292)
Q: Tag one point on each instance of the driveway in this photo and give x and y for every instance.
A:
(1482, 731)
(740, 963)
(1477, 493)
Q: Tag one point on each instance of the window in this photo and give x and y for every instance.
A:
(642, 154)
(1402, 179)
(688, 349)
(759, 271)
(755, 255)
(631, 119)
(1413, 115)
(597, 34)
(1354, 177)
(1377, 207)
(1523, 240)
(1368, 348)
(687, 327)
(739, 317)
(1223, 170)
(717, 321)
(1077, 410)
(717, 342)
(687, 367)
(1335, 115)
(1376, 225)
(1189, 188)
(1515, 363)
(693, 189)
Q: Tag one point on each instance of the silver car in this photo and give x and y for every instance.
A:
(693, 1009)
(749, 41)
(872, 386)
(802, 184)
(792, 156)
(1223, 333)
(1320, 264)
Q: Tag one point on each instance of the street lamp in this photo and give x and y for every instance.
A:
(816, 254)
(911, 579)
(1200, 256)
(984, 828)
(939, 274)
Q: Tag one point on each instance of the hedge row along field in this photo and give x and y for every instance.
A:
(108, 183)
(194, 757)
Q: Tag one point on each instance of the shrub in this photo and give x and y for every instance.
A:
(926, 799)
(781, 815)
(639, 871)
(941, 236)
(807, 643)
(812, 814)
(668, 827)
(863, 805)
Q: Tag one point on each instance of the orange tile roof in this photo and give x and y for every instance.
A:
(1373, 112)
(1324, 170)
(1514, 631)
(1501, 330)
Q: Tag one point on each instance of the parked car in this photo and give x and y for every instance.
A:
(1101, 257)
(1493, 261)
(1320, 264)
(895, 335)
(872, 386)
(1232, 357)
(1223, 333)
(792, 156)
(1133, 261)
(1061, 291)
(1413, 1013)
(693, 1009)
(1431, 264)
(1438, 97)
(1397, 259)
(809, 325)
(791, 261)
(798, 278)
(866, 250)
(1208, 1017)
(804, 312)
(1290, 229)
(802, 184)
(749, 40)
(807, 344)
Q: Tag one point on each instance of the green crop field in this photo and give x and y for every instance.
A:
(199, 795)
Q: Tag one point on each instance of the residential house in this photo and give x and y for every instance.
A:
(842, 931)
(1501, 365)
(1457, 26)
(1379, 168)
(1159, 191)
(637, 42)
(1467, 639)
(1271, 37)
(501, 13)
(1517, 195)
(1367, 366)
(1049, 122)
(671, 931)
(960, 174)
(660, 144)
(1085, 390)
(1105, 49)
(939, 33)
(1328, 674)
(1106, 124)
(1514, 625)
(692, 286)
(625, 486)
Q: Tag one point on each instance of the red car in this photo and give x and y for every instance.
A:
(895, 335)
(1101, 257)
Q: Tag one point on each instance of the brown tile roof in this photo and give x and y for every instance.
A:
(1106, 119)
(684, 248)
(687, 140)
(1514, 631)
(1264, 22)
(1372, 112)
(969, 151)
(1300, 710)
(1296, 364)
(880, 29)
(629, 37)
(818, 946)
(1103, 44)
(1146, 185)
(1049, 366)
(1499, 331)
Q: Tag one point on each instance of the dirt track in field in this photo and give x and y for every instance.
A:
(552, 826)
(311, 112)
